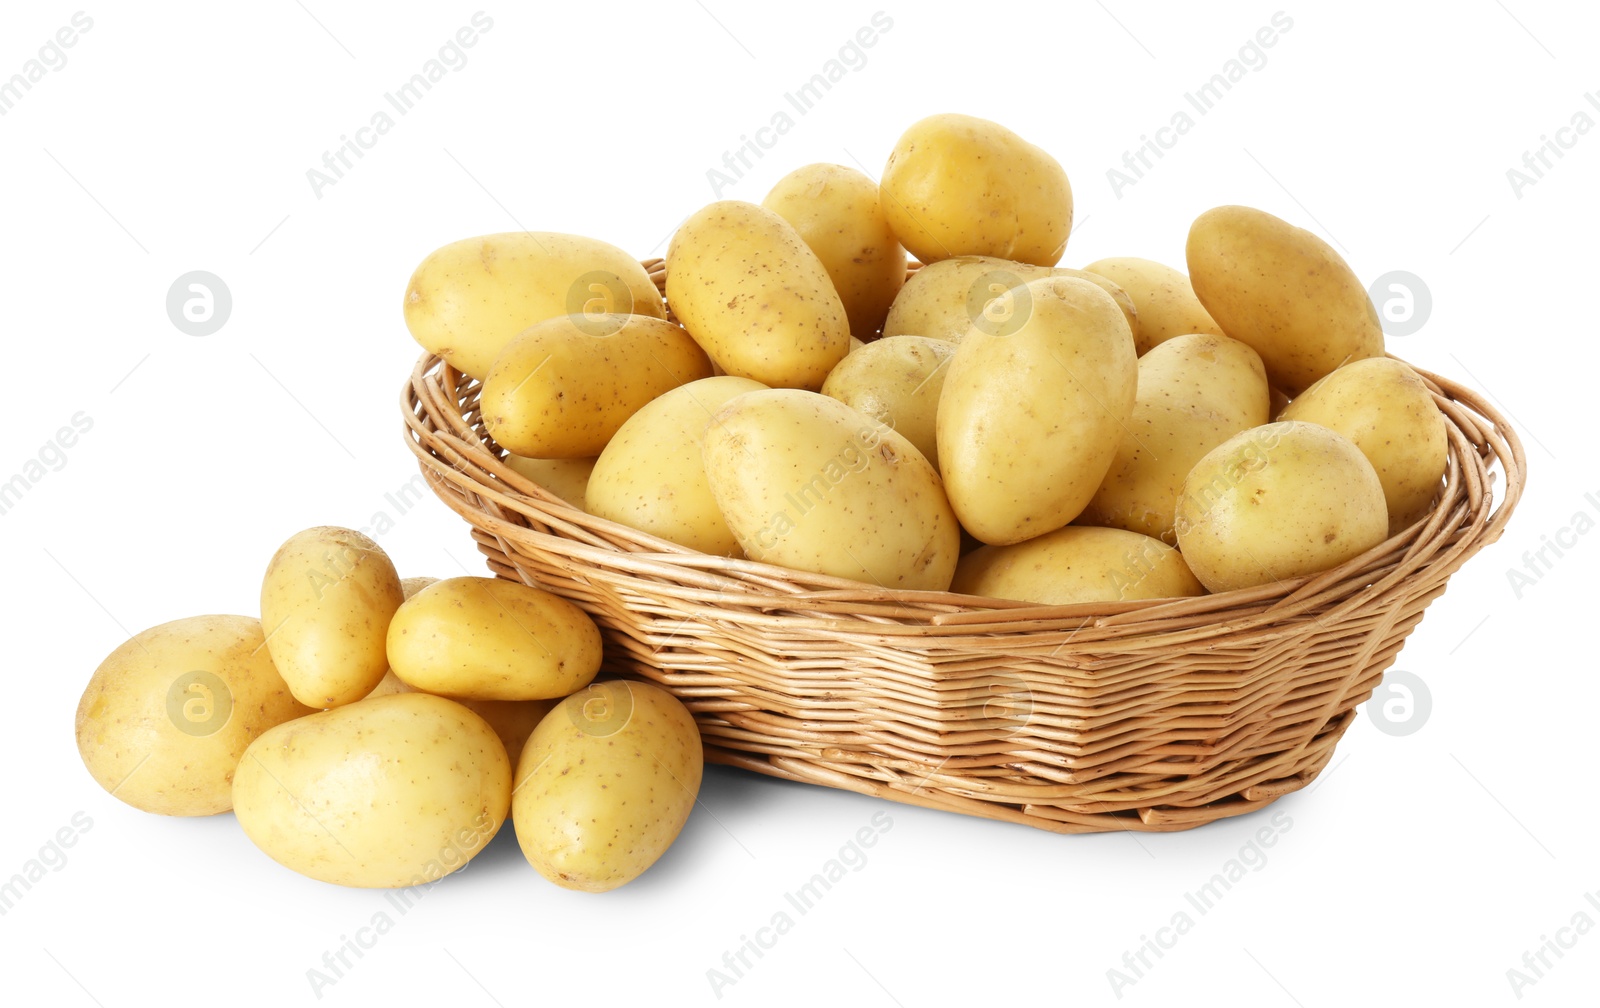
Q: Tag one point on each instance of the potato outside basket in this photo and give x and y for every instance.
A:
(1152, 716)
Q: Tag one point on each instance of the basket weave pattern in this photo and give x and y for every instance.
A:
(1148, 716)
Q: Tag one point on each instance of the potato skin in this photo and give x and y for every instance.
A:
(167, 715)
(1166, 303)
(836, 211)
(947, 298)
(488, 638)
(326, 602)
(753, 294)
(1077, 564)
(808, 483)
(1195, 392)
(1278, 501)
(1383, 406)
(959, 185)
(566, 478)
(467, 299)
(561, 388)
(652, 477)
(385, 792)
(1283, 291)
(512, 720)
(896, 381)
(1031, 415)
(605, 784)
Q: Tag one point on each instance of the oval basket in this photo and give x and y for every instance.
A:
(1151, 716)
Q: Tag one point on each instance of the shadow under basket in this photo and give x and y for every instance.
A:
(1151, 716)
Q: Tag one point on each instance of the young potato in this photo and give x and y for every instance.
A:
(1282, 290)
(485, 638)
(944, 300)
(896, 381)
(566, 478)
(1195, 392)
(806, 482)
(1166, 303)
(1388, 412)
(1278, 501)
(326, 601)
(512, 720)
(605, 784)
(167, 715)
(651, 476)
(754, 295)
(564, 386)
(1031, 415)
(385, 792)
(836, 212)
(958, 185)
(1076, 564)
(468, 299)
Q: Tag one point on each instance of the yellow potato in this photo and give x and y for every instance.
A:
(411, 585)
(1030, 417)
(326, 602)
(1166, 303)
(1383, 406)
(1195, 392)
(1276, 502)
(754, 295)
(944, 300)
(651, 476)
(836, 212)
(563, 387)
(167, 715)
(958, 185)
(806, 482)
(468, 299)
(385, 792)
(491, 639)
(1076, 564)
(566, 478)
(605, 785)
(1282, 290)
(512, 720)
(896, 381)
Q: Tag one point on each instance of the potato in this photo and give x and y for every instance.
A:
(487, 638)
(1077, 565)
(1195, 392)
(167, 715)
(944, 300)
(386, 792)
(605, 784)
(1165, 302)
(468, 299)
(754, 295)
(958, 185)
(562, 388)
(1276, 502)
(326, 601)
(567, 478)
(836, 212)
(512, 720)
(896, 381)
(806, 482)
(1029, 420)
(651, 476)
(1282, 290)
(1383, 406)
(411, 585)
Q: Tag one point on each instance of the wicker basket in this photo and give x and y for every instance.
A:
(1149, 716)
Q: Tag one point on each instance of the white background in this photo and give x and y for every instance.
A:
(1420, 867)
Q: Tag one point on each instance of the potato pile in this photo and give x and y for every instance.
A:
(997, 425)
(372, 731)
